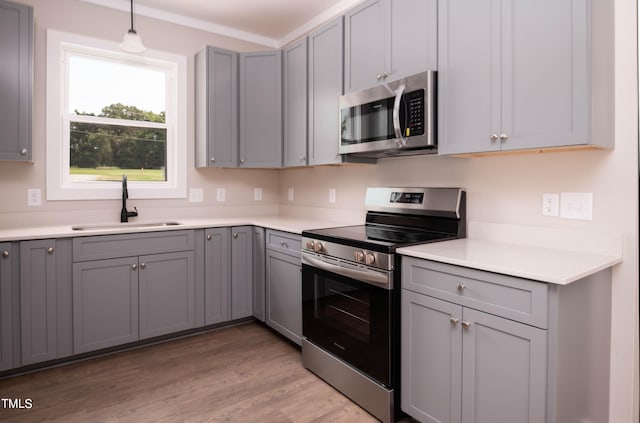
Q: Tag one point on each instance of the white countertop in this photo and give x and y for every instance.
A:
(532, 262)
(281, 223)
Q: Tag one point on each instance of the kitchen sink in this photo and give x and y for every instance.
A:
(132, 225)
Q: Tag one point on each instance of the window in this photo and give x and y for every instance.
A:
(110, 113)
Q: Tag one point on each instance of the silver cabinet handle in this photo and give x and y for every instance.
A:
(454, 321)
(384, 75)
(235, 234)
(379, 76)
(5, 253)
(209, 237)
(24, 151)
(143, 265)
(460, 287)
(283, 244)
(50, 250)
(494, 137)
(213, 159)
(241, 160)
(134, 267)
(466, 324)
(303, 158)
(504, 137)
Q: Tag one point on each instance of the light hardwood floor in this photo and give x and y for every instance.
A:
(240, 374)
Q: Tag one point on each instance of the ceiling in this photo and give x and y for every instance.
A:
(272, 23)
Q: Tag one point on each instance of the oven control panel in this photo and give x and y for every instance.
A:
(347, 253)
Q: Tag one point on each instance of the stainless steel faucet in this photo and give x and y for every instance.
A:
(126, 214)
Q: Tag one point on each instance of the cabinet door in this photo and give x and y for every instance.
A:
(366, 44)
(16, 90)
(259, 273)
(284, 295)
(295, 104)
(216, 107)
(8, 272)
(105, 303)
(217, 288)
(505, 369)
(167, 293)
(468, 76)
(414, 37)
(261, 109)
(325, 86)
(241, 272)
(545, 100)
(431, 358)
(38, 302)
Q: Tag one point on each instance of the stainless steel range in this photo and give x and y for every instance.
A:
(351, 291)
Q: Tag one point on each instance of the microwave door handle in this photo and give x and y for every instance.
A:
(400, 140)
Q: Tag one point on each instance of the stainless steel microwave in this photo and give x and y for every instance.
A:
(394, 118)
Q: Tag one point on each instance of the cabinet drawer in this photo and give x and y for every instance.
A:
(127, 245)
(284, 242)
(517, 299)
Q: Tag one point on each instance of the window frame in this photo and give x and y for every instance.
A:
(59, 184)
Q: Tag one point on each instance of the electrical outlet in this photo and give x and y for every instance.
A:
(196, 195)
(290, 194)
(257, 194)
(332, 195)
(576, 205)
(220, 194)
(34, 197)
(550, 204)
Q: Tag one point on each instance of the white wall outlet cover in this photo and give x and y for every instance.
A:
(290, 194)
(257, 194)
(332, 195)
(34, 197)
(576, 205)
(550, 204)
(196, 195)
(221, 194)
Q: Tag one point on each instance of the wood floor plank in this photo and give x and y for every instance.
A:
(243, 374)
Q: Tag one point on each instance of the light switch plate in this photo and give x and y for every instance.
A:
(196, 195)
(220, 194)
(34, 197)
(576, 205)
(257, 194)
(332, 195)
(290, 194)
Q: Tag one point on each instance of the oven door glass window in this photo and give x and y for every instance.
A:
(349, 319)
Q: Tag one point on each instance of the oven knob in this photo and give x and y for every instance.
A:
(318, 247)
(310, 245)
(358, 256)
(369, 259)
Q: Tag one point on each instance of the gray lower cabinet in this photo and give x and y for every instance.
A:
(261, 109)
(241, 271)
(217, 285)
(45, 300)
(9, 336)
(482, 347)
(16, 90)
(510, 86)
(284, 284)
(294, 64)
(120, 296)
(216, 75)
(259, 273)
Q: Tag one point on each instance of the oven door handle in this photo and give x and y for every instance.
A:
(366, 276)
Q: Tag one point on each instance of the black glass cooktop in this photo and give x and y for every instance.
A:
(377, 237)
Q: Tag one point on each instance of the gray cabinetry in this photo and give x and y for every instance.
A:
(294, 60)
(131, 287)
(216, 75)
(241, 271)
(388, 39)
(284, 284)
(259, 273)
(261, 109)
(16, 90)
(9, 337)
(510, 86)
(45, 300)
(217, 288)
(483, 347)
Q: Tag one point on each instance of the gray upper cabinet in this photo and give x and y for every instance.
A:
(16, 72)
(216, 75)
(389, 39)
(217, 285)
(514, 75)
(9, 264)
(45, 300)
(261, 109)
(325, 86)
(294, 60)
(241, 271)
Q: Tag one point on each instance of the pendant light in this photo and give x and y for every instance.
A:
(131, 43)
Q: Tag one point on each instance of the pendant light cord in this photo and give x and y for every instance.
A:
(132, 16)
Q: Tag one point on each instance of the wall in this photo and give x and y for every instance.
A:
(99, 22)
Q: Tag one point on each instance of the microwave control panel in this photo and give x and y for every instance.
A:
(414, 103)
